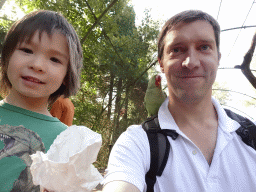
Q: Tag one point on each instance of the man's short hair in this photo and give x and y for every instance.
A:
(49, 22)
(187, 17)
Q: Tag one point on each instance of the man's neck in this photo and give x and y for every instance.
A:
(199, 122)
(193, 114)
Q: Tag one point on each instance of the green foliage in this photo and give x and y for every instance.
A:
(251, 101)
(137, 109)
(222, 96)
(87, 110)
(5, 24)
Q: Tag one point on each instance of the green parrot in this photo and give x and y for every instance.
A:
(154, 96)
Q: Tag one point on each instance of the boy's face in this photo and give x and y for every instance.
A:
(190, 61)
(38, 68)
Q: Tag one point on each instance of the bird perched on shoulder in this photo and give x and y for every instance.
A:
(154, 96)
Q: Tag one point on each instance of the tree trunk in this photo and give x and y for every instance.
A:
(117, 111)
(111, 85)
(125, 124)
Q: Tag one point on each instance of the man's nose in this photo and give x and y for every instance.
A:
(192, 59)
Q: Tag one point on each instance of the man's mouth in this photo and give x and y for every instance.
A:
(184, 77)
(32, 79)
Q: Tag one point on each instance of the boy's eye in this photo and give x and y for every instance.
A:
(55, 60)
(26, 50)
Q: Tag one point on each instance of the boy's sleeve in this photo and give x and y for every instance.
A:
(130, 158)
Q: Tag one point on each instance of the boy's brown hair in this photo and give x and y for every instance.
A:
(49, 22)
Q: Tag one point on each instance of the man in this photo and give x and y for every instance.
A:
(207, 155)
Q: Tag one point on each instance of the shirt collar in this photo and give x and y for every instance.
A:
(224, 121)
(166, 120)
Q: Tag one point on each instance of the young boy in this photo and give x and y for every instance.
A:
(41, 60)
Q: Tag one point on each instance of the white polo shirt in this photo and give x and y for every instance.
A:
(233, 166)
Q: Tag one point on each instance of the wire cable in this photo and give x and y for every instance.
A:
(219, 10)
(242, 27)
(238, 110)
(253, 70)
(234, 92)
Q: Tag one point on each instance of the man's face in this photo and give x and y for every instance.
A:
(190, 61)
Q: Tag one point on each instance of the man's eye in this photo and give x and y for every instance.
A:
(55, 60)
(26, 50)
(205, 47)
(176, 50)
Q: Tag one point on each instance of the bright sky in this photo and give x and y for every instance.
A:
(229, 15)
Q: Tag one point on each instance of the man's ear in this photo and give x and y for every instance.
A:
(219, 56)
(161, 65)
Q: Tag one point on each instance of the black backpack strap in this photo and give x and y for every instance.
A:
(247, 131)
(159, 149)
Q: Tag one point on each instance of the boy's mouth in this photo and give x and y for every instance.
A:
(32, 79)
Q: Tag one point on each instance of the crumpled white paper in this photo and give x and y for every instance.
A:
(67, 166)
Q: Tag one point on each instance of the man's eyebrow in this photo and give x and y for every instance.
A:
(178, 42)
(207, 41)
(171, 45)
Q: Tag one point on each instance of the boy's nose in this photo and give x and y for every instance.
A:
(37, 64)
(192, 60)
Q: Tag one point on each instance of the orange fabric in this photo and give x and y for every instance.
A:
(64, 110)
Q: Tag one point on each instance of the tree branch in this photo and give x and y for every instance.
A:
(2, 3)
(245, 66)
(106, 36)
(132, 83)
(6, 19)
(97, 19)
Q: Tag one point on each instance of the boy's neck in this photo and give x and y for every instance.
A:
(38, 105)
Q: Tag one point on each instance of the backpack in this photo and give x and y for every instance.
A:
(160, 146)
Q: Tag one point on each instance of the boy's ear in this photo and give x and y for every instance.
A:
(161, 65)
(65, 80)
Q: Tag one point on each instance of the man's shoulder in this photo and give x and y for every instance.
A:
(133, 136)
(134, 130)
